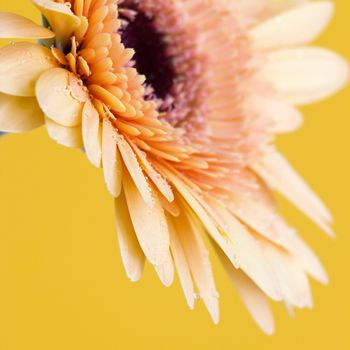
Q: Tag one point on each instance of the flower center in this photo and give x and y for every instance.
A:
(151, 59)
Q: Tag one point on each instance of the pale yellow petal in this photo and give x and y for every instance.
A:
(149, 223)
(21, 64)
(181, 264)
(134, 169)
(197, 257)
(300, 25)
(293, 281)
(280, 116)
(62, 20)
(13, 26)
(64, 135)
(253, 263)
(279, 174)
(254, 299)
(19, 114)
(305, 75)
(56, 99)
(160, 182)
(111, 160)
(131, 252)
(92, 134)
(166, 271)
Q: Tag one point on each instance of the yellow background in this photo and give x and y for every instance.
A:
(62, 281)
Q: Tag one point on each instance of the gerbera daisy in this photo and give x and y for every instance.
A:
(179, 101)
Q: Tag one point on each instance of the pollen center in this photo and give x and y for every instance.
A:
(141, 34)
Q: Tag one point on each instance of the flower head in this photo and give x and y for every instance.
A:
(178, 101)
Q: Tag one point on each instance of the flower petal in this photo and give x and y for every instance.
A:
(166, 271)
(92, 134)
(131, 252)
(292, 279)
(181, 264)
(149, 223)
(305, 75)
(254, 299)
(111, 161)
(56, 99)
(299, 25)
(253, 264)
(62, 20)
(19, 114)
(197, 256)
(133, 166)
(21, 64)
(13, 26)
(64, 135)
(280, 116)
(279, 174)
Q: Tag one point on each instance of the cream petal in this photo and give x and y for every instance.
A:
(160, 182)
(21, 64)
(56, 98)
(181, 264)
(190, 233)
(299, 25)
(62, 20)
(131, 252)
(19, 114)
(92, 134)
(293, 281)
(280, 116)
(111, 160)
(279, 174)
(166, 271)
(253, 263)
(133, 166)
(149, 223)
(13, 26)
(254, 299)
(64, 135)
(305, 75)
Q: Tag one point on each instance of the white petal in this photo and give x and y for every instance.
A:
(278, 173)
(254, 299)
(149, 223)
(19, 114)
(64, 135)
(61, 19)
(305, 75)
(56, 99)
(21, 64)
(92, 134)
(280, 116)
(131, 252)
(300, 25)
(14, 26)
(111, 160)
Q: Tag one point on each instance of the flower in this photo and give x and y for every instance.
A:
(178, 101)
